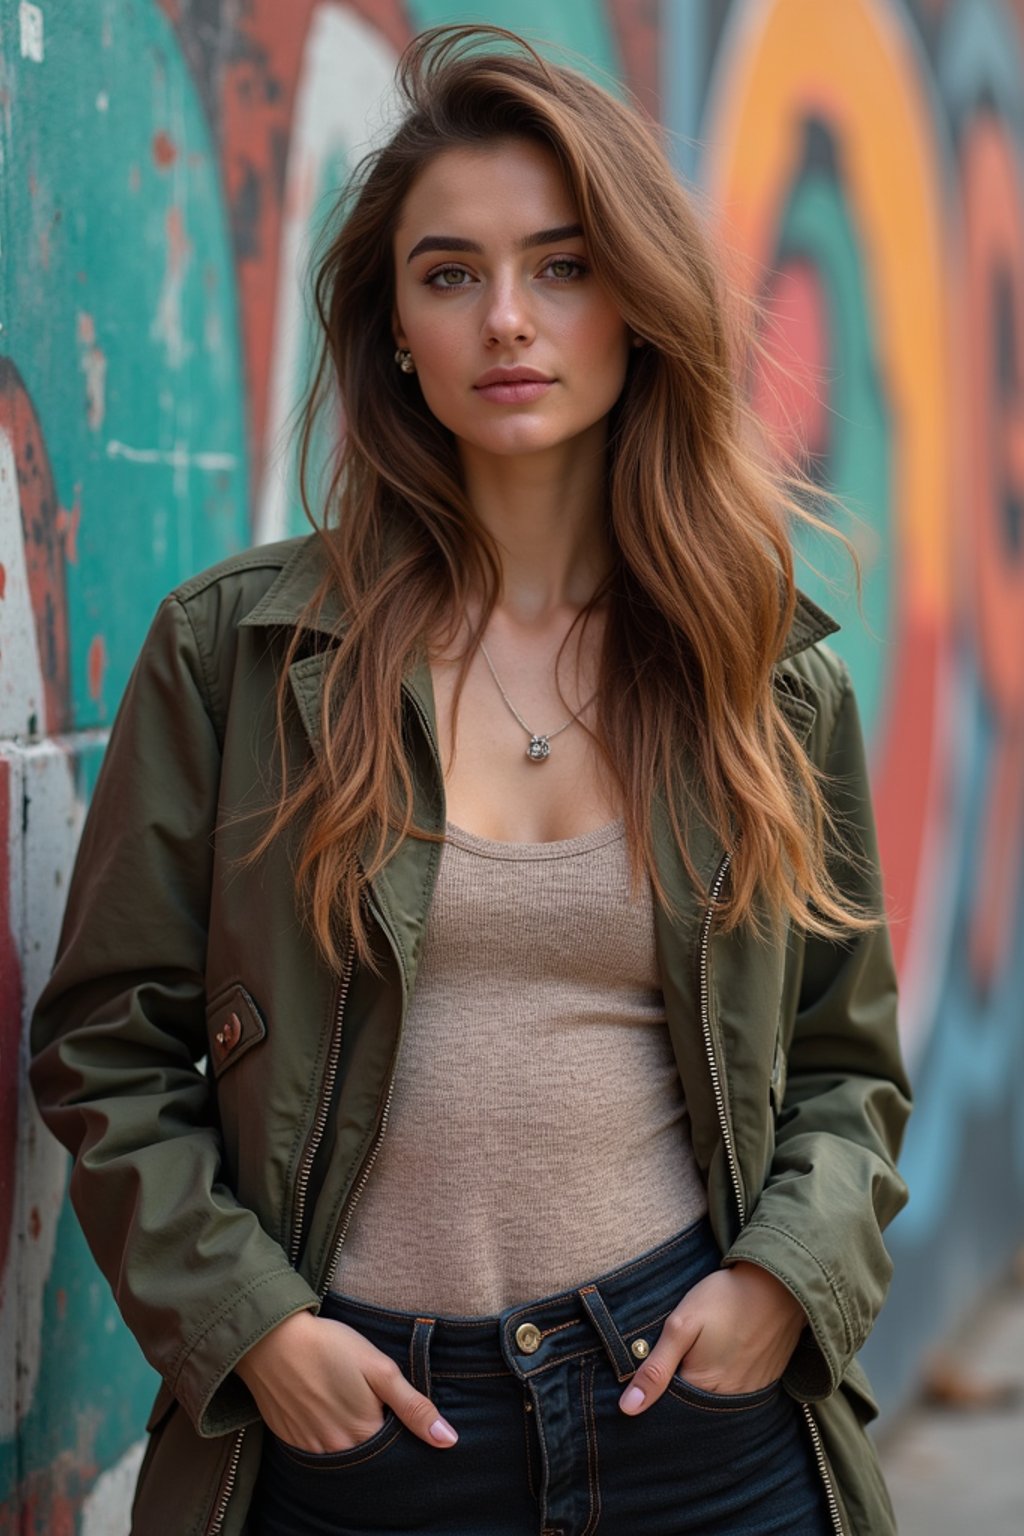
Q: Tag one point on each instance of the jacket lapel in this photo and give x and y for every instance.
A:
(401, 892)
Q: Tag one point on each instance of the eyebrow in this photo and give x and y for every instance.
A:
(460, 243)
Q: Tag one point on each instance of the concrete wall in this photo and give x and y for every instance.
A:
(163, 164)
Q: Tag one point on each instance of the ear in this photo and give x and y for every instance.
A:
(396, 329)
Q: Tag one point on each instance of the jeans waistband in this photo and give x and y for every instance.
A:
(612, 1311)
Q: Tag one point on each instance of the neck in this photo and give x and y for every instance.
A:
(545, 512)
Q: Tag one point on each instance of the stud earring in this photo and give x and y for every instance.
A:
(403, 357)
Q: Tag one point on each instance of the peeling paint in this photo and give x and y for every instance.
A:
(167, 326)
(68, 519)
(94, 367)
(176, 457)
(165, 151)
(30, 22)
(112, 1492)
(96, 665)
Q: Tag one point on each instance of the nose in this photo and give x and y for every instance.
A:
(508, 318)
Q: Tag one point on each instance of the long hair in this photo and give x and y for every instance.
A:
(701, 591)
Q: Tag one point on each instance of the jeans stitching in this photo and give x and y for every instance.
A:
(590, 1427)
(578, 1354)
(542, 1498)
(758, 1400)
(529, 1450)
(611, 1339)
(419, 1353)
(467, 1375)
(294, 1453)
(546, 1333)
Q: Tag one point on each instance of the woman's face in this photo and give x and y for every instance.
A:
(491, 274)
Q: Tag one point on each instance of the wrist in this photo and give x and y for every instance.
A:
(250, 1365)
(770, 1286)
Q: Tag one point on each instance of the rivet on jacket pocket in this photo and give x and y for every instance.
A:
(234, 1025)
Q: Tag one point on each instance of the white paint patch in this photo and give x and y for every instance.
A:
(102, 102)
(30, 18)
(344, 99)
(42, 835)
(45, 824)
(93, 362)
(168, 324)
(107, 1510)
(22, 697)
(177, 457)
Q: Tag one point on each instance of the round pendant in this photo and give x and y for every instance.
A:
(539, 749)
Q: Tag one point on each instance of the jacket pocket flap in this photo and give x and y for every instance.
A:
(234, 1026)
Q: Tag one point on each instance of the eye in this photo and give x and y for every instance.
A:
(445, 273)
(566, 269)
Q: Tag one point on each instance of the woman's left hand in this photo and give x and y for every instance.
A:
(733, 1332)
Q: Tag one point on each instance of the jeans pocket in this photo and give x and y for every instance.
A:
(688, 1392)
(339, 1461)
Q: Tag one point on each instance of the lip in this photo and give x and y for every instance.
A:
(512, 376)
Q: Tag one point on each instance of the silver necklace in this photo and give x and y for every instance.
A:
(540, 743)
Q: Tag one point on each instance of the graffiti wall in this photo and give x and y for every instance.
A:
(165, 164)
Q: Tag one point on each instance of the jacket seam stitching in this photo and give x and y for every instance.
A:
(833, 1283)
(217, 715)
(206, 579)
(226, 1307)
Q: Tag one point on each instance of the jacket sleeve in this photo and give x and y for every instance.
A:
(833, 1185)
(119, 1035)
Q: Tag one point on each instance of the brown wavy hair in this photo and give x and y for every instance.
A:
(701, 592)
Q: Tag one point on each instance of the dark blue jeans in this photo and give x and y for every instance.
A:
(543, 1446)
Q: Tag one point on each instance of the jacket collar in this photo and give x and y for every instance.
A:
(297, 581)
(401, 890)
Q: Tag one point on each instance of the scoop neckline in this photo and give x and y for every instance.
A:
(561, 848)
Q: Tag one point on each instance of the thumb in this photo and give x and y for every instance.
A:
(678, 1336)
(416, 1412)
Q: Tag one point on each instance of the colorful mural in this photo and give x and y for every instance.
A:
(166, 164)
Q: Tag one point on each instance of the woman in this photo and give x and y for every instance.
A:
(570, 799)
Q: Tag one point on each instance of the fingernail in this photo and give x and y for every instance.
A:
(442, 1432)
(631, 1399)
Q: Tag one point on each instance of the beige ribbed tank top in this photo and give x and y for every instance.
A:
(538, 1133)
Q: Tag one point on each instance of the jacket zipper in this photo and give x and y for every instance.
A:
(731, 1159)
(301, 1190)
(227, 1486)
(316, 1135)
(364, 1173)
(306, 1169)
(361, 1185)
(367, 1167)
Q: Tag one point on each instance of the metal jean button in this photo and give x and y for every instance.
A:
(528, 1338)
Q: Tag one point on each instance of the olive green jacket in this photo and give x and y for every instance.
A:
(223, 1092)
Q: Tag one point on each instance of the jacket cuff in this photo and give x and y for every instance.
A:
(827, 1344)
(203, 1380)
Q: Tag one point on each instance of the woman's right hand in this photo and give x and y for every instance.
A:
(321, 1386)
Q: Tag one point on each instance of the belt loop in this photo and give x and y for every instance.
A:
(611, 1338)
(419, 1354)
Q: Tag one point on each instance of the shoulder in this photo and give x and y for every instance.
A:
(224, 598)
(246, 575)
(811, 679)
(197, 628)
